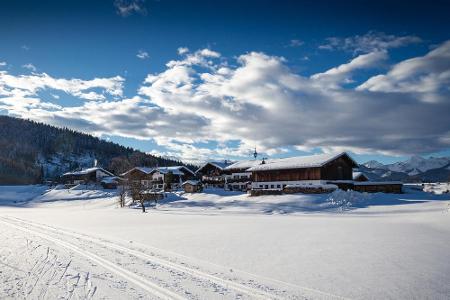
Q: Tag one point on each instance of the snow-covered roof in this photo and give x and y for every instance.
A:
(299, 162)
(110, 179)
(243, 165)
(357, 174)
(145, 170)
(87, 171)
(177, 170)
(218, 164)
(191, 182)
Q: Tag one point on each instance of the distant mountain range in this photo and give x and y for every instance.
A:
(415, 169)
(32, 152)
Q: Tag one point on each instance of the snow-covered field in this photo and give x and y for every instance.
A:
(79, 244)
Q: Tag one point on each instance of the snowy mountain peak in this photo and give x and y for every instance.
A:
(413, 168)
(417, 164)
(373, 164)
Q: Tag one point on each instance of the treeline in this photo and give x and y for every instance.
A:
(31, 152)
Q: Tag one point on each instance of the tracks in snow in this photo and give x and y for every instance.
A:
(247, 289)
(150, 287)
(257, 291)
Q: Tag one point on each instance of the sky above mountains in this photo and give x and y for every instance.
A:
(215, 79)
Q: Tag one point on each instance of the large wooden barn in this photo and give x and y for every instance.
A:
(320, 168)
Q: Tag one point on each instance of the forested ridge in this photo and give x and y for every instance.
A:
(31, 152)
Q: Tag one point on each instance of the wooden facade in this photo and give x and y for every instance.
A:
(339, 169)
(137, 175)
(192, 187)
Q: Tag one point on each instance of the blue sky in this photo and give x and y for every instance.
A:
(213, 79)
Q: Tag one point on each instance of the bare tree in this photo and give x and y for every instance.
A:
(122, 193)
(137, 193)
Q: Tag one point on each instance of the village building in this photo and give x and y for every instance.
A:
(237, 178)
(139, 176)
(170, 178)
(86, 176)
(160, 178)
(212, 174)
(192, 186)
(321, 170)
(314, 169)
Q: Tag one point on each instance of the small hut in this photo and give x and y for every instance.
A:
(192, 186)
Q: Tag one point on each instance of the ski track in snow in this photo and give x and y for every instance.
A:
(160, 276)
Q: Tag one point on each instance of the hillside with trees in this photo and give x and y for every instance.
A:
(32, 152)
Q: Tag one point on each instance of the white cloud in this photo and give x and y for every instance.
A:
(2, 63)
(30, 67)
(369, 42)
(341, 74)
(427, 77)
(183, 50)
(255, 101)
(29, 86)
(142, 54)
(126, 8)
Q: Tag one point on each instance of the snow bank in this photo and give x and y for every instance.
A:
(347, 199)
(437, 188)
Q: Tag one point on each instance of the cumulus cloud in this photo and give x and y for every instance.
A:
(126, 8)
(142, 54)
(29, 85)
(231, 106)
(341, 74)
(426, 77)
(369, 42)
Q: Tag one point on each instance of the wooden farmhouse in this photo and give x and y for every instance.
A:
(277, 173)
(86, 176)
(315, 170)
(213, 173)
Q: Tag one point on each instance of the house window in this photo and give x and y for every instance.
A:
(278, 186)
(266, 186)
(272, 186)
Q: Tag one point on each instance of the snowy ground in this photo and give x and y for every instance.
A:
(224, 245)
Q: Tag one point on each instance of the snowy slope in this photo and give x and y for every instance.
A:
(218, 245)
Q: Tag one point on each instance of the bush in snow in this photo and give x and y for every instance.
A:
(347, 199)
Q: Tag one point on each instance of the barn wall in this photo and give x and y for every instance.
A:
(287, 175)
(338, 169)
